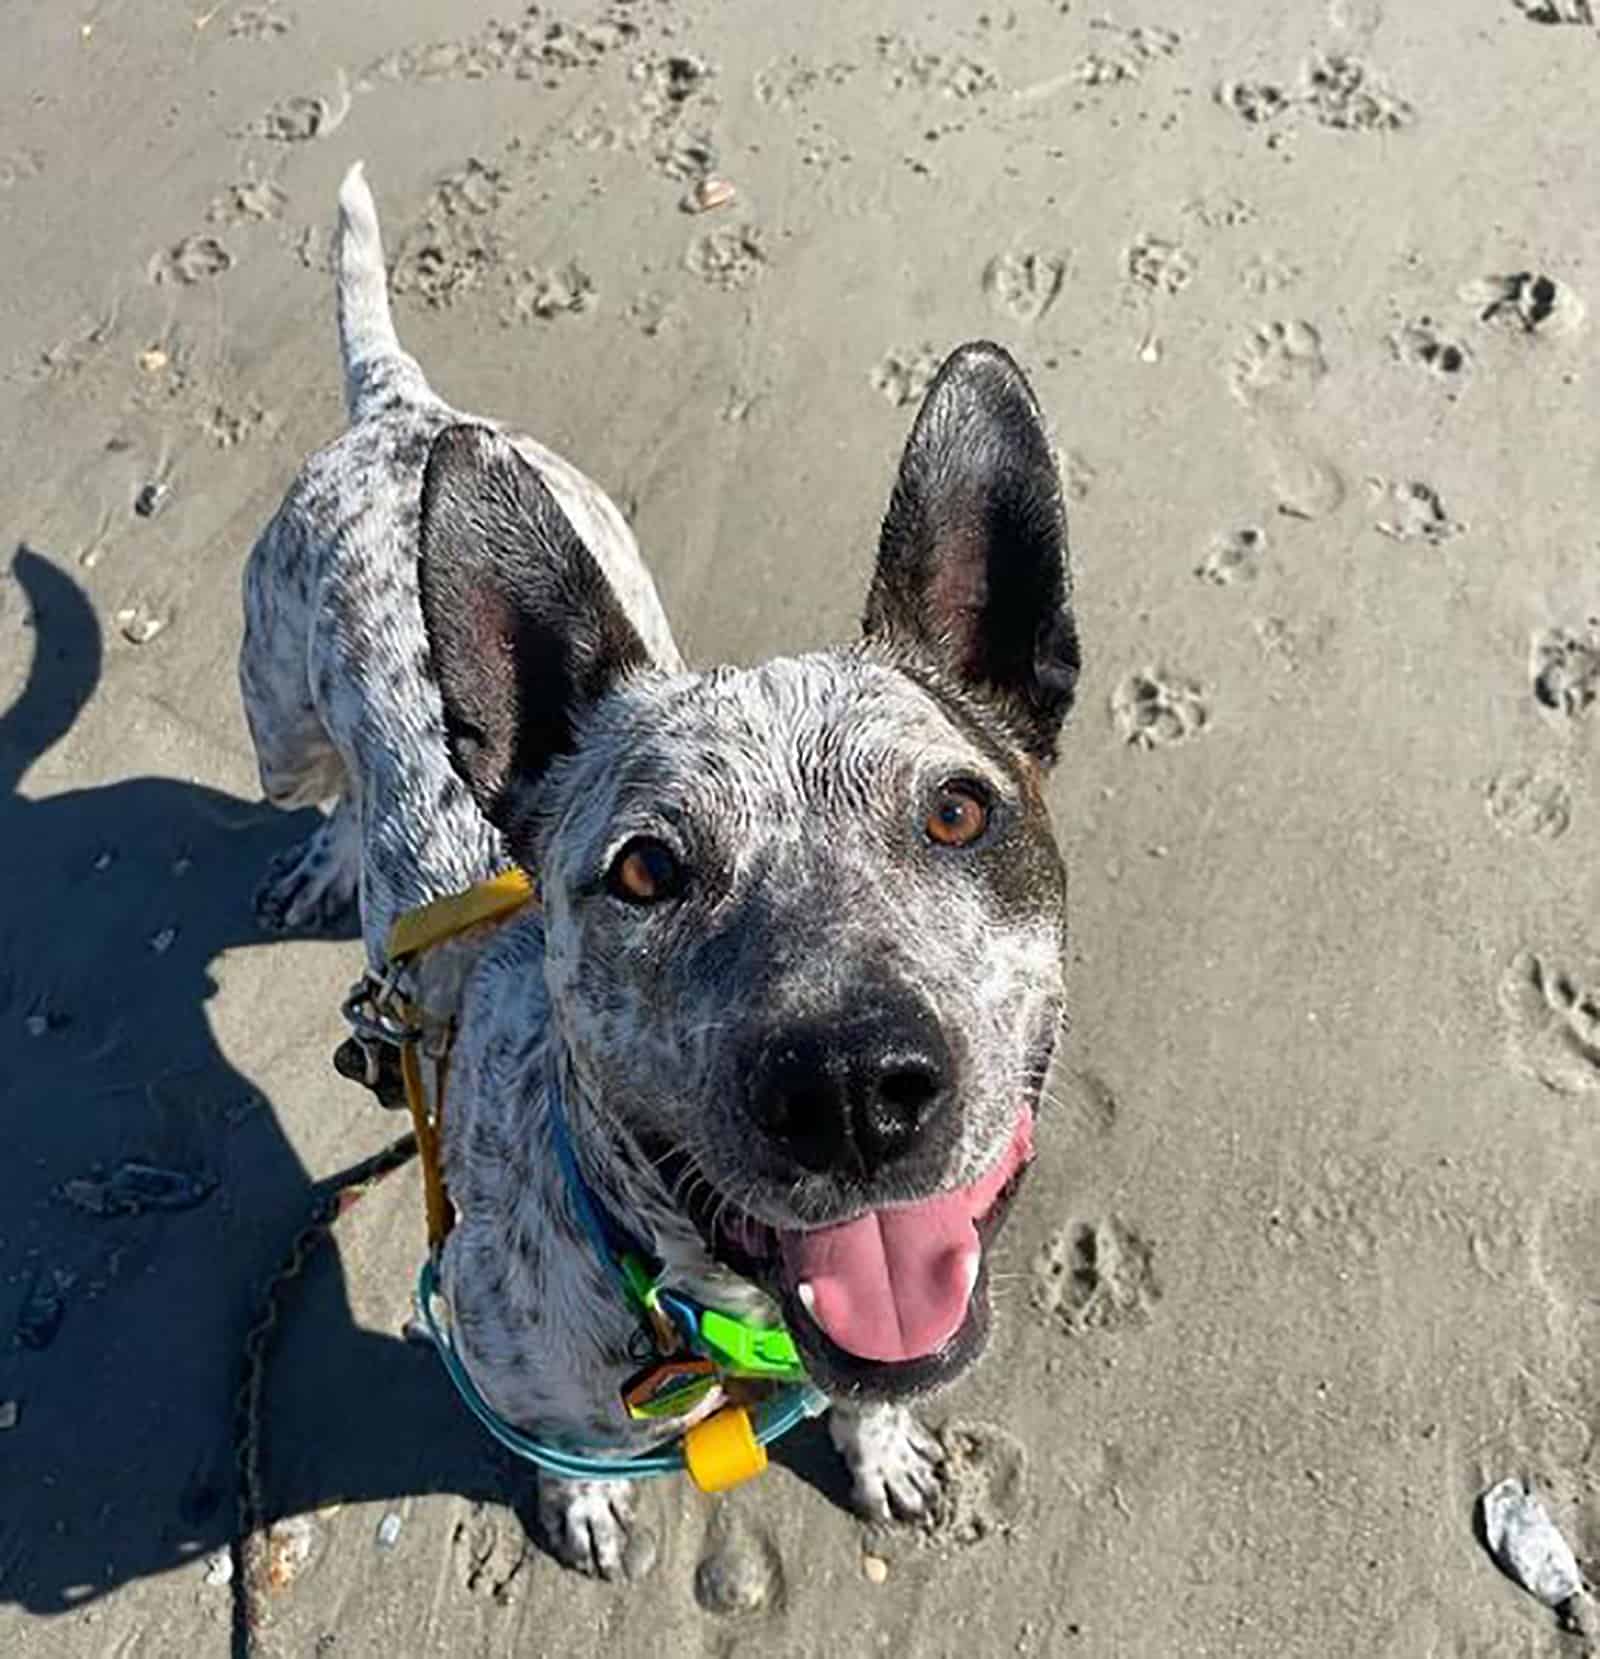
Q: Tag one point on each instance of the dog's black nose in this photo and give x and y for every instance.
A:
(854, 1094)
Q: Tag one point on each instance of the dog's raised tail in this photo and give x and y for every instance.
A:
(375, 366)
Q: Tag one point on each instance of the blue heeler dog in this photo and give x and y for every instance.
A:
(798, 971)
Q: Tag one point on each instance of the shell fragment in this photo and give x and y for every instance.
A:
(1528, 1545)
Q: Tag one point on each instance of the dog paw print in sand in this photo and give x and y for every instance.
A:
(1156, 710)
(1412, 511)
(903, 375)
(227, 427)
(1528, 804)
(1269, 272)
(249, 202)
(728, 259)
(1336, 90)
(909, 68)
(1095, 1275)
(1291, 645)
(1525, 302)
(1552, 1023)
(194, 259)
(304, 116)
(456, 245)
(260, 23)
(741, 1571)
(1281, 362)
(1158, 266)
(1220, 210)
(1422, 344)
(475, 188)
(1123, 54)
(1305, 485)
(533, 48)
(1256, 103)
(1233, 556)
(1564, 666)
(20, 167)
(439, 265)
(687, 157)
(1024, 285)
(489, 1551)
(788, 82)
(982, 1484)
(559, 291)
(1341, 92)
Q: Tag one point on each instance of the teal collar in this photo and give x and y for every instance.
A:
(696, 1348)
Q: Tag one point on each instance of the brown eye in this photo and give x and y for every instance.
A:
(645, 872)
(959, 816)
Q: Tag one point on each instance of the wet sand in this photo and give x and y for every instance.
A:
(1308, 1258)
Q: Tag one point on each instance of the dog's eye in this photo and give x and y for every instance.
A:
(645, 872)
(959, 816)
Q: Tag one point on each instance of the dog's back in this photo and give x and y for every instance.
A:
(341, 697)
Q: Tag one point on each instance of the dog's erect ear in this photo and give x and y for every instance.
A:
(524, 629)
(972, 561)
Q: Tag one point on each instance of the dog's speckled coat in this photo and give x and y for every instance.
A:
(451, 637)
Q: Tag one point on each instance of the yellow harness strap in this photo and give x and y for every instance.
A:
(440, 919)
(419, 930)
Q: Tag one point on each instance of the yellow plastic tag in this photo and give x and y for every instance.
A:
(723, 1450)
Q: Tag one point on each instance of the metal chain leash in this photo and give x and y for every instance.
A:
(252, 1546)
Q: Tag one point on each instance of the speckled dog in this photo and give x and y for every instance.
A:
(797, 975)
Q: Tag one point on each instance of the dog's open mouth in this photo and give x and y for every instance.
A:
(885, 1302)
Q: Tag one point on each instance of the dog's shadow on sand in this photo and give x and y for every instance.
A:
(122, 1334)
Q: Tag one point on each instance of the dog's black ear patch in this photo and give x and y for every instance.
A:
(972, 560)
(524, 629)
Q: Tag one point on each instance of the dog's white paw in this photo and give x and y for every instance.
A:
(312, 887)
(893, 1461)
(587, 1523)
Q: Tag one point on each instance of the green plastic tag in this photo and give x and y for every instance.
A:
(750, 1350)
(739, 1348)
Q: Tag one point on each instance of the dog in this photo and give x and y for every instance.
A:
(798, 970)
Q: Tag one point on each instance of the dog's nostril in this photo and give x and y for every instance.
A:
(909, 1089)
(792, 1094)
(903, 1097)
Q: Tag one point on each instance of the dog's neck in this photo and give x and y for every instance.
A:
(632, 1190)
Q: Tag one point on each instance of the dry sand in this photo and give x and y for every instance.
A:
(1309, 1258)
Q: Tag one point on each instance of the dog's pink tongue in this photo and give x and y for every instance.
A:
(894, 1284)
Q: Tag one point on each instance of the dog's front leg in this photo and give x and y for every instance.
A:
(587, 1523)
(893, 1460)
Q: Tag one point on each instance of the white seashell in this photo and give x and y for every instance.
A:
(1527, 1543)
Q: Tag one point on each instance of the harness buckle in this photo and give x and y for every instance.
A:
(375, 1012)
(379, 1029)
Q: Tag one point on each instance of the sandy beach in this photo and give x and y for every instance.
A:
(1308, 1259)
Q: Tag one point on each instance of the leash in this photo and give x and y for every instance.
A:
(700, 1355)
(255, 1572)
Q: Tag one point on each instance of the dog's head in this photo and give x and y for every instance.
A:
(804, 921)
